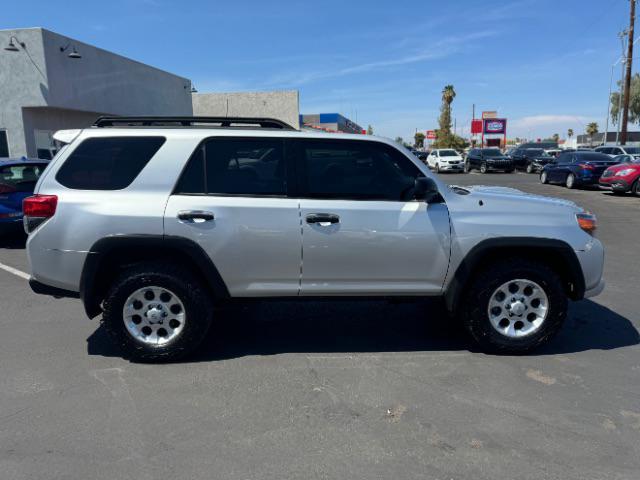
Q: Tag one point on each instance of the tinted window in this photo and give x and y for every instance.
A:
(492, 152)
(632, 150)
(448, 153)
(535, 152)
(564, 158)
(4, 144)
(594, 157)
(108, 163)
(355, 170)
(22, 178)
(236, 166)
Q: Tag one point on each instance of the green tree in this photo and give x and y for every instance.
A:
(570, 133)
(591, 130)
(555, 137)
(399, 140)
(369, 130)
(418, 140)
(444, 137)
(634, 101)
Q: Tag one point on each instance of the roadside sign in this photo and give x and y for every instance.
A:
(489, 114)
(476, 126)
(431, 134)
(495, 126)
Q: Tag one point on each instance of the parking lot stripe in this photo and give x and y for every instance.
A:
(15, 271)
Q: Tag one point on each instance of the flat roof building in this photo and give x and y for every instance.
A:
(331, 122)
(51, 82)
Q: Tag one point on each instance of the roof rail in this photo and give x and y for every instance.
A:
(213, 122)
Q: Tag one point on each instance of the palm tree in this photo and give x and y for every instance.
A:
(570, 133)
(591, 130)
(556, 137)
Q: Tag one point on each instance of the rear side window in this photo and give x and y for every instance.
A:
(236, 166)
(20, 178)
(107, 163)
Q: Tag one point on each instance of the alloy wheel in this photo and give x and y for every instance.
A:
(518, 308)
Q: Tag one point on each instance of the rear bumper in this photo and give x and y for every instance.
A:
(43, 289)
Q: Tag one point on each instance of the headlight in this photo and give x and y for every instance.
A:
(625, 172)
(587, 221)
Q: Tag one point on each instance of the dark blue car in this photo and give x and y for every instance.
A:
(575, 169)
(18, 178)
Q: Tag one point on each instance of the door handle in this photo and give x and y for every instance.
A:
(195, 215)
(323, 218)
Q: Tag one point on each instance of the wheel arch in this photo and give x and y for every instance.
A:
(109, 255)
(557, 254)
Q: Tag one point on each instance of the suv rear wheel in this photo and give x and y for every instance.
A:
(514, 306)
(157, 312)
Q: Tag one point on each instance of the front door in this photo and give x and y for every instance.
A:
(231, 200)
(362, 231)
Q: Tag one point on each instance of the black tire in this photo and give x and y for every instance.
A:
(179, 280)
(483, 167)
(570, 181)
(437, 168)
(475, 317)
(529, 168)
(511, 170)
(467, 167)
(635, 188)
(544, 177)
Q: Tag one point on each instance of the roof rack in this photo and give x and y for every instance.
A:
(212, 122)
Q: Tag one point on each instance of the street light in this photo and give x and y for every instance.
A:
(73, 54)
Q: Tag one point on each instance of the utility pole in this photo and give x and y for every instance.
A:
(627, 79)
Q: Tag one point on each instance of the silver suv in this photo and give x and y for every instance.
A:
(153, 221)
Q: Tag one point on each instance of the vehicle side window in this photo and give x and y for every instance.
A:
(21, 178)
(356, 170)
(564, 158)
(235, 166)
(616, 151)
(107, 163)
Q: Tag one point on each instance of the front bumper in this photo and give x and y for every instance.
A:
(448, 167)
(617, 184)
(597, 290)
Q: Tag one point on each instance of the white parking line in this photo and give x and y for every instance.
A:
(15, 271)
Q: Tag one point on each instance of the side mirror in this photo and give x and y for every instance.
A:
(426, 189)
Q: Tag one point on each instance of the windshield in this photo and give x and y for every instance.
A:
(448, 153)
(537, 152)
(21, 178)
(491, 152)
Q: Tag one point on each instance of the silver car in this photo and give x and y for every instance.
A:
(153, 221)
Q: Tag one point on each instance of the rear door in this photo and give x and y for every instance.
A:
(363, 233)
(232, 200)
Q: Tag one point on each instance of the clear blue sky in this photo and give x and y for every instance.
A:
(544, 64)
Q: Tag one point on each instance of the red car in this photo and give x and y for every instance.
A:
(623, 177)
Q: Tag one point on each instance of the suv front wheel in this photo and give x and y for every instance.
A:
(157, 312)
(514, 306)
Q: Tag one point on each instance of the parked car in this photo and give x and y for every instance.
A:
(624, 176)
(152, 226)
(553, 152)
(614, 151)
(575, 169)
(530, 159)
(18, 178)
(488, 160)
(445, 160)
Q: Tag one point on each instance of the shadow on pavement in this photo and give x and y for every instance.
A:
(267, 328)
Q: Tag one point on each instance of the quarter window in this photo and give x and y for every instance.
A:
(107, 163)
(356, 170)
(236, 166)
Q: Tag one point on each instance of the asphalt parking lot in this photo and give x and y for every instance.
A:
(347, 390)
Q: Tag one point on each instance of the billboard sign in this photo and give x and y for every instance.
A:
(476, 127)
(490, 114)
(431, 134)
(495, 126)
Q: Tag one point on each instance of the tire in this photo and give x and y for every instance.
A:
(635, 188)
(511, 170)
(544, 177)
(483, 167)
(437, 168)
(467, 167)
(477, 319)
(529, 168)
(570, 181)
(183, 287)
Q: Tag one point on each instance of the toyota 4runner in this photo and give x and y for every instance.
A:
(153, 221)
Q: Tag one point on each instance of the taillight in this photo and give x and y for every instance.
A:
(43, 206)
(586, 166)
(587, 222)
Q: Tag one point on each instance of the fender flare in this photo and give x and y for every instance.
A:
(466, 268)
(91, 290)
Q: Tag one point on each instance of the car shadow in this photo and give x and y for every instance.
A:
(269, 328)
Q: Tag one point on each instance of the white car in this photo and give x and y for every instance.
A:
(445, 159)
(613, 151)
